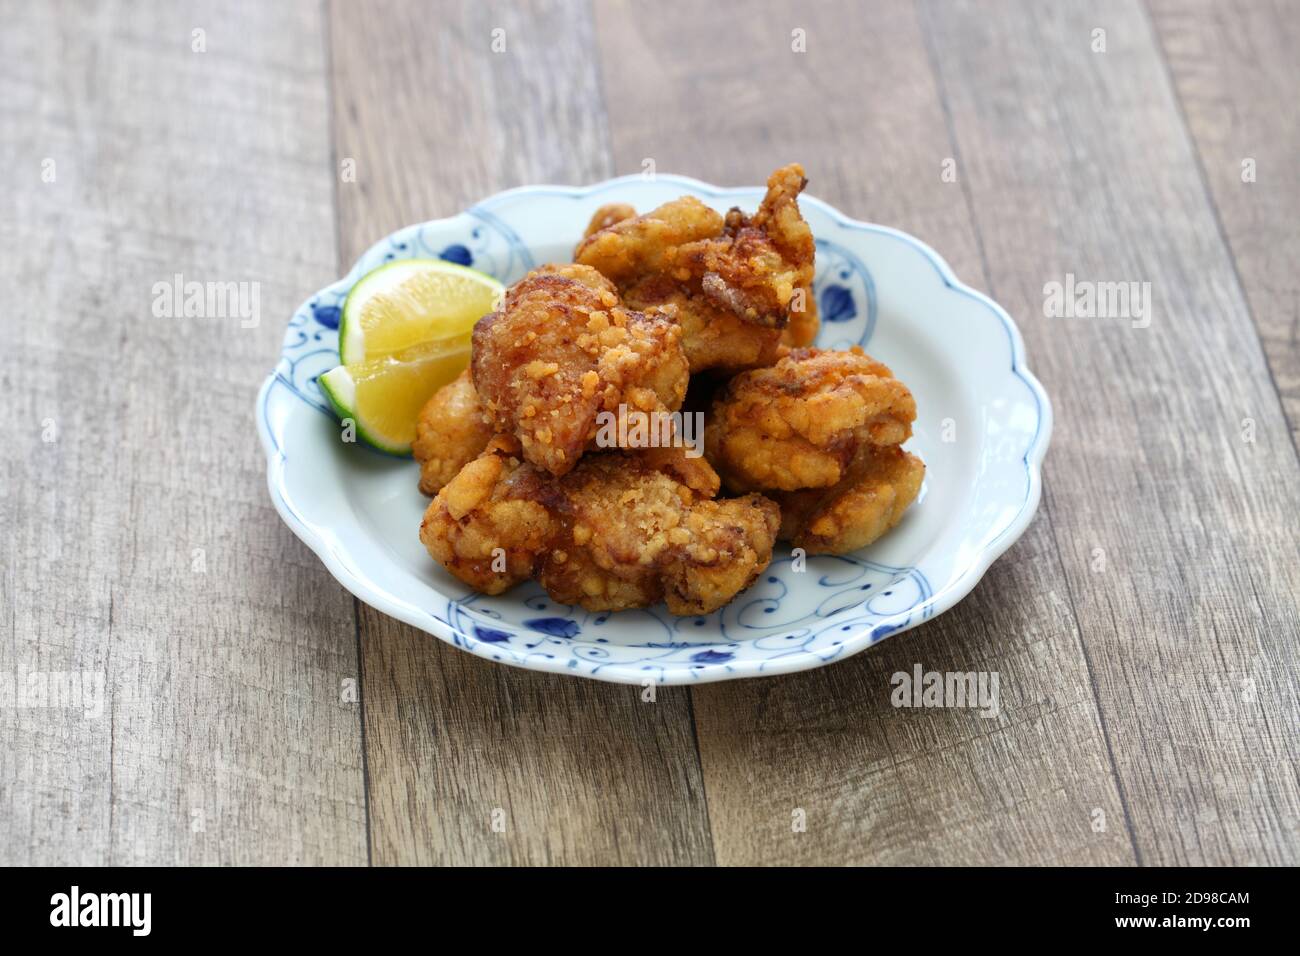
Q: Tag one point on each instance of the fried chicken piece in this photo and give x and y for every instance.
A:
(881, 482)
(741, 286)
(451, 431)
(481, 529)
(694, 472)
(630, 248)
(591, 278)
(561, 350)
(613, 533)
(607, 215)
(761, 262)
(713, 338)
(799, 423)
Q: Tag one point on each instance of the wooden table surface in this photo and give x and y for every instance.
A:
(1144, 628)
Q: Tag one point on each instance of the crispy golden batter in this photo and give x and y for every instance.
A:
(613, 533)
(629, 248)
(740, 286)
(799, 423)
(761, 262)
(713, 337)
(607, 215)
(450, 432)
(880, 484)
(569, 270)
(562, 349)
(695, 473)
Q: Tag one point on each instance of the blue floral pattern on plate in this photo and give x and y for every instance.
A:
(763, 625)
(790, 619)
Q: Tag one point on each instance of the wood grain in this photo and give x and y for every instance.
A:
(861, 110)
(578, 772)
(1143, 630)
(1078, 162)
(140, 543)
(1236, 74)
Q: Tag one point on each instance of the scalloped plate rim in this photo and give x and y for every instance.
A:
(325, 545)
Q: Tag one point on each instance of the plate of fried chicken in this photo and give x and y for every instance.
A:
(707, 433)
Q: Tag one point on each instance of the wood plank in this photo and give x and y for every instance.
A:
(222, 737)
(861, 110)
(584, 772)
(1236, 74)
(1078, 162)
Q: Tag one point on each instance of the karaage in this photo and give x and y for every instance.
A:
(615, 532)
(799, 423)
(879, 485)
(740, 286)
(452, 431)
(809, 439)
(607, 215)
(561, 350)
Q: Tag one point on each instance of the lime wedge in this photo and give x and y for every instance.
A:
(410, 301)
(404, 333)
(383, 396)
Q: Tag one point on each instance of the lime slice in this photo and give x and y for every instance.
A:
(410, 301)
(404, 333)
(383, 396)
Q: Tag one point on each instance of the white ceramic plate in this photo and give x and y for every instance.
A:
(983, 423)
